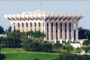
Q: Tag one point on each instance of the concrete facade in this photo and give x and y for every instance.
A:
(57, 27)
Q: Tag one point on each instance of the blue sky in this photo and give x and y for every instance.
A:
(18, 7)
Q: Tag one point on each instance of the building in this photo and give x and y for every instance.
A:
(57, 27)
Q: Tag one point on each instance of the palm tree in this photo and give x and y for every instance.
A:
(31, 34)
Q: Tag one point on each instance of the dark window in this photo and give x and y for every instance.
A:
(39, 24)
(31, 24)
(35, 24)
(26, 24)
(18, 25)
(22, 24)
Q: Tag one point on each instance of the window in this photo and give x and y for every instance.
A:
(22, 24)
(31, 24)
(26, 24)
(18, 25)
(35, 24)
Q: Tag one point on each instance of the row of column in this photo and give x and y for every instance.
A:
(61, 34)
(67, 31)
(24, 28)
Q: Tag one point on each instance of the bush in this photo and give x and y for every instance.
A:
(31, 45)
(2, 56)
(86, 42)
(57, 45)
(10, 42)
(36, 59)
(68, 56)
(68, 48)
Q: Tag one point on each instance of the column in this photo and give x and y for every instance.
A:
(20, 27)
(76, 30)
(49, 31)
(72, 31)
(58, 31)
(67, 32)
(16, 26)
(54, 31)
(28, 26)
(41, 27)
(63, 30)
(25, 27)
(12, 27)
(46, 30)
(33, 27)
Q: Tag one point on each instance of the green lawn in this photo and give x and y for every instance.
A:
(89, 51)
(11, 54)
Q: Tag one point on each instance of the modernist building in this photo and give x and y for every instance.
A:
(57, 27)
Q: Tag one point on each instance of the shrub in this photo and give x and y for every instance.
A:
(36, 59)
(86, 42)
(10, 42)
(2, 56)
(31, 45)
(57, 45)
(68, 56)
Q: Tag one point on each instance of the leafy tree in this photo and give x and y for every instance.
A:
(9, 29)
(12, 40)
(24, 35)
(86, 42)
(68, 47)
(84, 33)
(36, 34)
(87, 33)
(57, 45)
(1, 30)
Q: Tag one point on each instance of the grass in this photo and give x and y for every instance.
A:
(11, 54)
(89, 51)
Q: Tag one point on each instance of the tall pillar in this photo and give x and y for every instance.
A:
(45, 30)
(28, 26)
(54, 32)
(49, 31)
(58, 30)
(63, 30)
(76, 30)
(67, 32)
(25, 27)
(20, 27)
(41, 27)
(16, 26)
(33, 27)
(12, 27)
(72, 31)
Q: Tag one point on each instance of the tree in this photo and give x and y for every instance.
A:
(86, 42)
(68, 47)
(87, 33)
(57, 45)
(36, 34)
(12, 40)
(1, 30)
(9, 29)
(84, 33)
